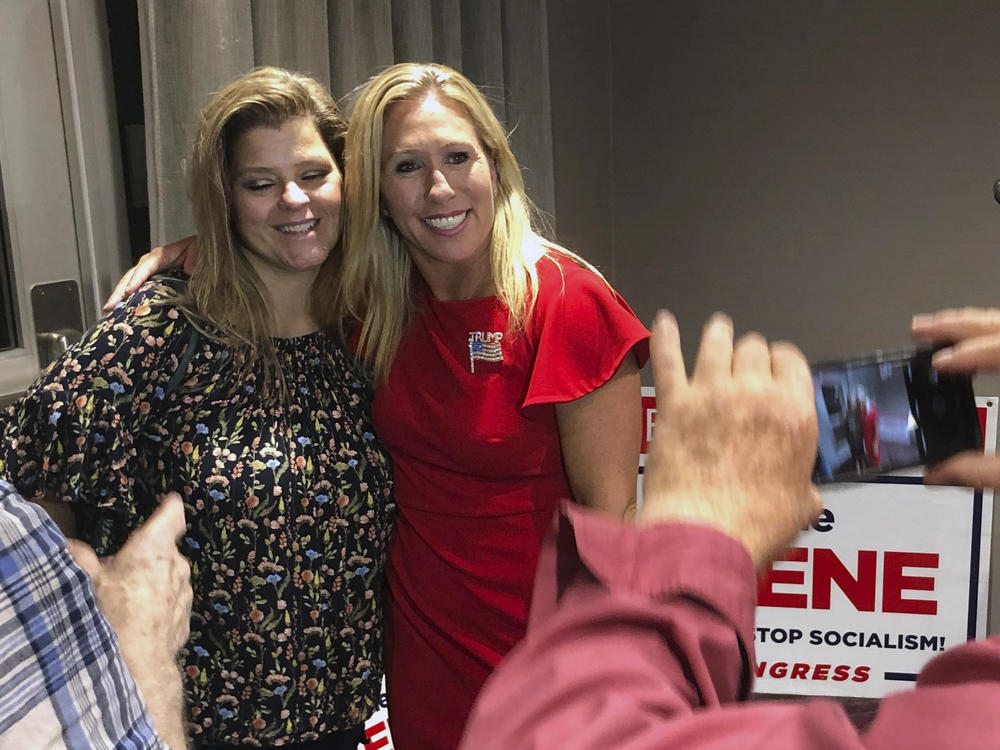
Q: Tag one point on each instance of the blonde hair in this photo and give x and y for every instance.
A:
(376, 270)
(225, 295)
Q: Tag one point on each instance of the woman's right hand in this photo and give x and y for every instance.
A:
(180, 254)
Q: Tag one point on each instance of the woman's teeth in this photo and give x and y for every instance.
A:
(305, 226)
(447, 222)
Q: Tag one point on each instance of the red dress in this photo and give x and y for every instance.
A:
(468, 416)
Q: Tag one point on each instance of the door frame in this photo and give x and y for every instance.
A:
(60, 159)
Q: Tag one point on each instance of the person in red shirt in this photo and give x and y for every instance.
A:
(869, 426)
(508, 373)
(641, 635)
(869, 447)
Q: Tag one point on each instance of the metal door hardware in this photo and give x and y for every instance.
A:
(58, 318)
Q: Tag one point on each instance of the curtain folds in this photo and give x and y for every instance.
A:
(190, 48)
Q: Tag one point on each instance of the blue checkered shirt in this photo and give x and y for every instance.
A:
(63, 683)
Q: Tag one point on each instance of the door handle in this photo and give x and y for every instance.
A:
(58, 318)
(51, 344)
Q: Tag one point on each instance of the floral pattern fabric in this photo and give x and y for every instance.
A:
(288, 497)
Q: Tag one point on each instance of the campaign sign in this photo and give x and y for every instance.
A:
(377, 734)
(890, 575)
(648, 418)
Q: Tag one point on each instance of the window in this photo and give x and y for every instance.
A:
(123, 42)
(8, 305)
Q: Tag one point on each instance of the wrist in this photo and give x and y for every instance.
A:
(160, 685)
(684, 508)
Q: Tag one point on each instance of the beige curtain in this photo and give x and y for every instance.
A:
(190, 48)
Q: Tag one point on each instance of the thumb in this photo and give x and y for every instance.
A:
(971, 469)
(85, 557)
(167, 522)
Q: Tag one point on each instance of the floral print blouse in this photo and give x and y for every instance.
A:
(288, 497)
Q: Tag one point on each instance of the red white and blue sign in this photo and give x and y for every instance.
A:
(891, 574)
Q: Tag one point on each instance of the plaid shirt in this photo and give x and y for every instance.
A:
(63, 683)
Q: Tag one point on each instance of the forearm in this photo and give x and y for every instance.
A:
(145, 593)
(159, 681)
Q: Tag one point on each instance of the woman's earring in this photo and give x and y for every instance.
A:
(384, 211)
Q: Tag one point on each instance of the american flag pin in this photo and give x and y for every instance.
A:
(484, 346)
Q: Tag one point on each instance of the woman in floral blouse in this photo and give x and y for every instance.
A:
(233, 391)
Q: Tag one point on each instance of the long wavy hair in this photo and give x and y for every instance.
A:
(225, 295)
(375, 281)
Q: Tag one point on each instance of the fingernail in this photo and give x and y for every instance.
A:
(942, 357)
(720, 317)
(662, 317)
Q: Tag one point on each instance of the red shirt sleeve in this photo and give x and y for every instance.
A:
(582, 330)
(640, 639)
